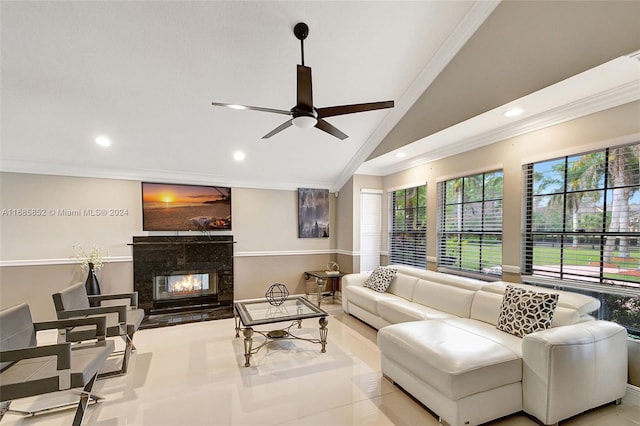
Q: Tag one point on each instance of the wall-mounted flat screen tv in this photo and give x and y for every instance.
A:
(175, 207)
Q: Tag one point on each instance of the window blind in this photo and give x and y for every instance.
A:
(581, 218)
(408, 227)
(470, 223)
(370, 230)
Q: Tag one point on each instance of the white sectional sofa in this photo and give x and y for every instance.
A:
(438, 340)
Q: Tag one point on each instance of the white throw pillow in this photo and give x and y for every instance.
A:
(380, 279)
(524, 311)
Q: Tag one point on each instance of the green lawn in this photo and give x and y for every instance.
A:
(581, 256)
(549, 255)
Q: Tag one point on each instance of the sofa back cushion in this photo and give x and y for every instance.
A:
(403, 285)
(486, 307)
(581, 303)
(453, 280)
(443, 297)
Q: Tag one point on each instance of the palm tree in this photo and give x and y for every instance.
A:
(582, 175)
(623, 173)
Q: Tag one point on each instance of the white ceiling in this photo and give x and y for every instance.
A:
(145, 74)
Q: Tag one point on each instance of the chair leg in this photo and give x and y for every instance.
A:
(125, 357)
(125, 362)
(129, 339)
(85, 397)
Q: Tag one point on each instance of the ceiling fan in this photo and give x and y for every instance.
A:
(304, 114)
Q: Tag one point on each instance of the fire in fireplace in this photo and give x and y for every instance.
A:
(181, 285)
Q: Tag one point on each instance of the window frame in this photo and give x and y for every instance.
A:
(402, 239)
(484, 235)
(565, 234)
(619, 302)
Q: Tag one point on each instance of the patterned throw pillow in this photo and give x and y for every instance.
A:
(525, 311)
(380, 279)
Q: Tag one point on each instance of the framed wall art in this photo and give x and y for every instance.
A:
(313, 213)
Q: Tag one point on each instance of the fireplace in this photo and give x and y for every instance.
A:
(183, 279)
(183, 285)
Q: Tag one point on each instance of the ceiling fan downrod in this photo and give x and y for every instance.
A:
(301, 31)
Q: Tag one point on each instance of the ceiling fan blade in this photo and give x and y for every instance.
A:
(278, 129)
(350, 109)
(254, 108)
(332, 130)
(305, 93)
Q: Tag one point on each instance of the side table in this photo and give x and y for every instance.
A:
(321, 277)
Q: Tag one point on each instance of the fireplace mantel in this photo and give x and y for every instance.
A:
(157, 256)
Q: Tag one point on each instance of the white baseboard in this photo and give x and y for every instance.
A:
(632, 397)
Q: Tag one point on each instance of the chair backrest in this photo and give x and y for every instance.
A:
(72, 297)
(16, 330)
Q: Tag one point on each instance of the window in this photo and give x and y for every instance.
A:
(581, 222)
(470, 223)
(370, 229)
(408, 236)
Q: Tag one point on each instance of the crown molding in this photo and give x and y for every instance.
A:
(617, 96)
(22, 165)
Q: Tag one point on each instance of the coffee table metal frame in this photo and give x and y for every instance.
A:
(249, 313)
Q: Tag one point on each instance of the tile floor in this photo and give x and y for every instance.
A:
(194, 374)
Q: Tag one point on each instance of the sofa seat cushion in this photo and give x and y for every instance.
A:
(455, 360)
(395, 311)
(488, 331)
(366, 298)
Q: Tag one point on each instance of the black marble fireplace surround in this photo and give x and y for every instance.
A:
(158, 256)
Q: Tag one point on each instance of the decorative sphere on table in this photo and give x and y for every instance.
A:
(277, 294)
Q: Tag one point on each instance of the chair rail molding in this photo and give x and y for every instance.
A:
(59, 261)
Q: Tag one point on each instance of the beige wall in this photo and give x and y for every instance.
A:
(345, 227)
(34, 284)
(37, 256)
(348, 212)
(53, 234)
(606, 128)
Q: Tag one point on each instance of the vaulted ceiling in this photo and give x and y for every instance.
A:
(145, 73)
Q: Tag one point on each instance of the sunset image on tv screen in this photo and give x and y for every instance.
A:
(172, 207)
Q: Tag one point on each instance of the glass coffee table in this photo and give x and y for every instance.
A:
(249, 313)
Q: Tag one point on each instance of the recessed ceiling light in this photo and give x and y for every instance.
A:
(401, 154)
(513, 112)
(103, 141)
(239, 156)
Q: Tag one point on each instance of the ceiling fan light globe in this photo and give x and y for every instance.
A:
(304, 121)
